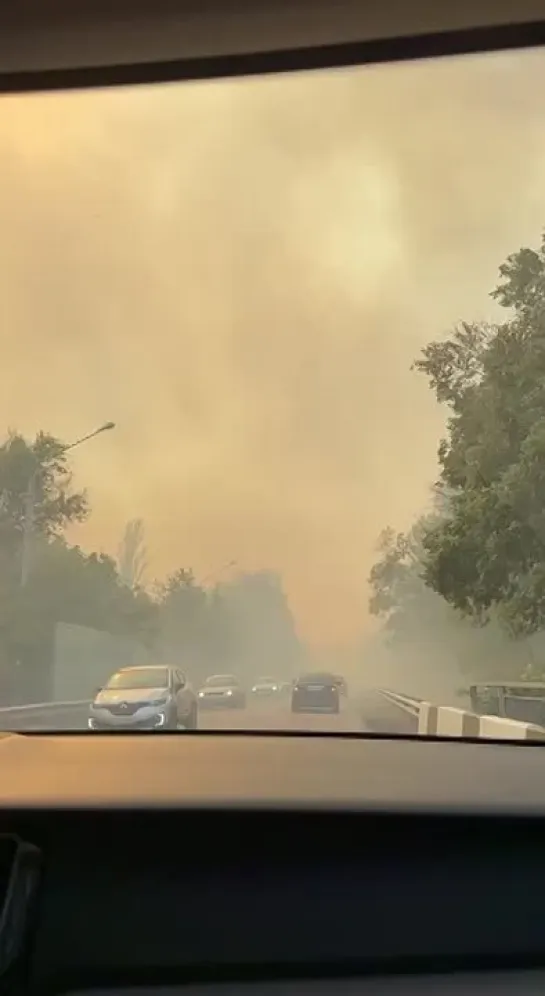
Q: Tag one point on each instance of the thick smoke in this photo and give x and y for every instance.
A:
(240, 274)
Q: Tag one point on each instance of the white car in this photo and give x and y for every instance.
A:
(266, 687)
(153, 697)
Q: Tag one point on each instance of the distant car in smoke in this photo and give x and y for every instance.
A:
(222, 691)
(316, 692)
(266, 688)
(341, 684)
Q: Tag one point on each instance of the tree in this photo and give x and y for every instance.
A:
(132, 556)
(85, 589)
(65, 584)
(396, 577)
(75, 588)
(424, 639)
(43, 467)
(488, 555)
(262, 625)
(45, 459)
(183, 620)
(239, 626)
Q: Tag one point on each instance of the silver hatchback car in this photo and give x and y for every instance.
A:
(144, 698)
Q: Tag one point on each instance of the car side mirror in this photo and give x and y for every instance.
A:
(98, 689)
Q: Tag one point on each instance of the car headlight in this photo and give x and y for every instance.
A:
(201, 695)
(229, 692)
(160, 700)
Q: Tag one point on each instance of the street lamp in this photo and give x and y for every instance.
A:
(217, 573)
(30, 500)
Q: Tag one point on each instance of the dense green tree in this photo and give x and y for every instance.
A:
(487, 555)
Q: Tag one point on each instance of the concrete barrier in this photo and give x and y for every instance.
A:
(496, 728)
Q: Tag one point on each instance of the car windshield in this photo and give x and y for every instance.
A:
(148, 677)
(319, 678)
(273, 394)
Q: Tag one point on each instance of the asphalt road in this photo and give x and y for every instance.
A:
(365, 712)
(278, 716)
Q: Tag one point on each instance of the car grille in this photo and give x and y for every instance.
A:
(141, 724)
(124, 708)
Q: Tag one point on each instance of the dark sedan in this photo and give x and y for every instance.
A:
(317, 692)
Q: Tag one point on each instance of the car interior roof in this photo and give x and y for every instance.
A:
(56, 43)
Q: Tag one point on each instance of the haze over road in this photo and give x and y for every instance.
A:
(257, 716)
(278, 716)
(366, 712)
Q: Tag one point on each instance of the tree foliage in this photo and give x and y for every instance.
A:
(204, 630)
(132, 557)
(44, 463)
(425, 636)
(488, 554)
(241, 626)
(65, 585)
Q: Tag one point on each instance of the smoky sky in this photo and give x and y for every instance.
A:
(240, 273)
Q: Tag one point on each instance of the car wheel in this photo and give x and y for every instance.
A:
(171, 722)
(192, 721)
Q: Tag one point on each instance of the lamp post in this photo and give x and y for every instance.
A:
(30, 501)
(214, 575)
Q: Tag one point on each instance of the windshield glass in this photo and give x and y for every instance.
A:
(150, 677)
(318, 678)
(273, 394)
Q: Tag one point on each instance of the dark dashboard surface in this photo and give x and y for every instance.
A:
(217, 858)
(256, 771)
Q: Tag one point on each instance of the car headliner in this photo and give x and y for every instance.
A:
(58, 43)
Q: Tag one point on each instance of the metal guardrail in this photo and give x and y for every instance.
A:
(43, 707)
(43, 716)
(406, 702)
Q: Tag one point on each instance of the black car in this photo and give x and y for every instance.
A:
(316, 692)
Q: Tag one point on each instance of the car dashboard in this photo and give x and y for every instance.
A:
(156, 862)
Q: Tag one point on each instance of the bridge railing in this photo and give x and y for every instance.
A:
(448, 721)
